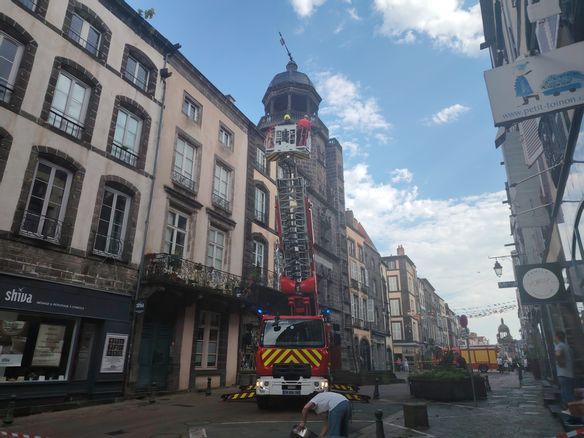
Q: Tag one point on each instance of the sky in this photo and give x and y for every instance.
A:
(403, 91)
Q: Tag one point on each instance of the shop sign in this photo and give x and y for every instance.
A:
(39, 296)
(537, 85)
(541, 283)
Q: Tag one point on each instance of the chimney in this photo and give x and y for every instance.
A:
(349, 217)
(230, 98)
(401, 251)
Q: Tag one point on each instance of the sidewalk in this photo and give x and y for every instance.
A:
(509, 411)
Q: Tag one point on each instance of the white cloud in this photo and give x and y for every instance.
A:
(449, 240)
(354, 149)
(448, 114)
(305, 8)
(353, 14)
(345, 107)
(401, 175)
(448, 23)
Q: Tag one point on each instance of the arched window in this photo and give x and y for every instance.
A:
(138, 69)
(86, 29)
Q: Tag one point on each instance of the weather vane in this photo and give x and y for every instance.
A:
(286, 47)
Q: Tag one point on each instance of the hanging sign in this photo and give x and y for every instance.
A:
(541, 283)
(537, 85)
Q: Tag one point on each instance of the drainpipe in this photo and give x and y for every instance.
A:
(164, 75)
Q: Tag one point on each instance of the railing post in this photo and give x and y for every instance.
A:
(376, 390)
(379, 432)
(9, 415)
(208, 392)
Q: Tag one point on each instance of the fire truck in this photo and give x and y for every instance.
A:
(293, 357)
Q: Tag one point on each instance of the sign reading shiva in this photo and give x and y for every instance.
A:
(537, 85)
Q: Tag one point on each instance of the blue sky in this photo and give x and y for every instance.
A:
(403, 90)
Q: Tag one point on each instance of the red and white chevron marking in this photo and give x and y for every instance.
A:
(577, 432)
(4, 434)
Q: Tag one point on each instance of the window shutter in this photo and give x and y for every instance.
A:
(532, 145)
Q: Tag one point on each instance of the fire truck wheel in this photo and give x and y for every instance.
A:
(483, 368)
(263, 402)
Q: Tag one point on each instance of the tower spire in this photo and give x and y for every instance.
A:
(282, 42)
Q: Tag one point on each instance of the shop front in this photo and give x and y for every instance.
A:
(60, 342)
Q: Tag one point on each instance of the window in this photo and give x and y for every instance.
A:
(410, 283)
(354, 271)
(280, 173)
(394, 307)
(185, 158)
(207, 343)
(351, 247)
(259, 249)
(221, 187)
(354, 306)
(260, 205)
(216, 249)
(362, 308)
(191, 109)
(360, 252)
(392, 283)
(261, 160)
(225, 137)
(47, 202)
(10, 56)
(29, 4)
(396, 331)
(127, 137)
(392, 264)
(137, 73)
(84, 34)
(113, 219)
(69, 105)
(176, 233)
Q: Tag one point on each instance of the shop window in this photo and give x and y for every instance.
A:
(207, 341)
(34, 348)
(47, 202)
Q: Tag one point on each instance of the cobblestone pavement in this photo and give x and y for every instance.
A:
(509, 411)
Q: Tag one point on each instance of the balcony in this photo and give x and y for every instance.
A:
(61, 122)
(41, 227)
(168, 268)
(124, 154)
(221, 202)
(263, 277)
(183, 180)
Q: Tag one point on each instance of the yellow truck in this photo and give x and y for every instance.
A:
(481, 357)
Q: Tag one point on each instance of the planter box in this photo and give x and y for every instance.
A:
(447, 390)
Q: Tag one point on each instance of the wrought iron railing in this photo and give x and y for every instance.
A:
(41, 227)
(123, 153)
(174, 269)
(183, 180)
(5, 92)
(256, 275)
(221, 202)
(61, 122)
(143, 85)
(108, 246)
(90, 47)
(260, 215)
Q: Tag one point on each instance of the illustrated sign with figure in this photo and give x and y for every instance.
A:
(537, 85)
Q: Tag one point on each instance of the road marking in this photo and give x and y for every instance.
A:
(411, 430)
(197, 432)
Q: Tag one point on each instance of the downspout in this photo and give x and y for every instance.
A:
(164, 74)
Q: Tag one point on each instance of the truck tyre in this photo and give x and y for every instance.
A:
(263, 402)
(483, 368)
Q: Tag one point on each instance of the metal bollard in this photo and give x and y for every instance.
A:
(520, 375)
(376, 390)
(9, 416)
(152, 398)
(379, 432)
(208, 391)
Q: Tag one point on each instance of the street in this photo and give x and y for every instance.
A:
(507, 412)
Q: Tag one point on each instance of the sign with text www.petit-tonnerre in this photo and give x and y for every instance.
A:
(536, 85)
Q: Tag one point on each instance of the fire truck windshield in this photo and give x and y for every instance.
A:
(293, 333)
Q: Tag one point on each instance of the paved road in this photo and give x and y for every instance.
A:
(508, 412)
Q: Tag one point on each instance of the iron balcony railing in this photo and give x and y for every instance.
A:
(140, 83)
(174, 269)
(41, 227)
(61, 122)
(123, 153)
(221, 202)
(183, 180)
(90, 47)
(5, 92)
(108, 246)
(256, 275)
(260, 215)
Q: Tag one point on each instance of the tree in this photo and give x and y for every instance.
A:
(146, 14)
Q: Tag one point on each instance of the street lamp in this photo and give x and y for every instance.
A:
(498, 268)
